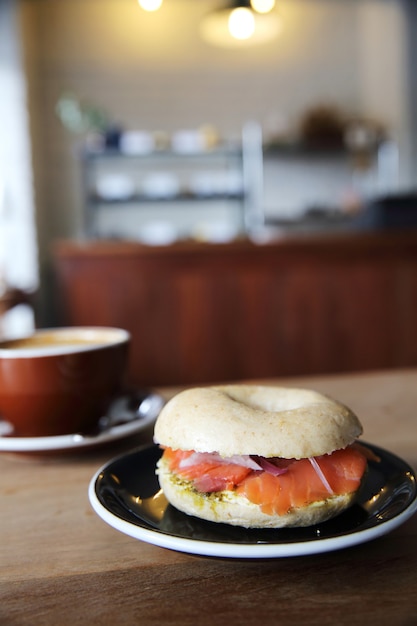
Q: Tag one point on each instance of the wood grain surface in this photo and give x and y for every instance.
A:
(61, 564)
(205, 313)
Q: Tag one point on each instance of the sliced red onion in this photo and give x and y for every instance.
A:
(213, 457)
(320, 474)
(245, 460)
(276, 467)
(193, 459)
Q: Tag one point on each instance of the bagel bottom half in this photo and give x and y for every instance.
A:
(231, 508)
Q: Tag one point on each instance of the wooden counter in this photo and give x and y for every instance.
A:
(204, 313)
(61, 564)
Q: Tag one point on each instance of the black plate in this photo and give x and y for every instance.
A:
(126, 494)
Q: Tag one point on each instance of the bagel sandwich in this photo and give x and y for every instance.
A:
(259, 456)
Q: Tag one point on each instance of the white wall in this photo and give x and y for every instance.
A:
(153, 72)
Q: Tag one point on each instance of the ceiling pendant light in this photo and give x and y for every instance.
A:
(262, 6)
(150, 5)
(241, 23)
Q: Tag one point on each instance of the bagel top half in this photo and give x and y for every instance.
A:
(290, 423)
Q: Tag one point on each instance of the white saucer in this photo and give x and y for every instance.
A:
(77, 441)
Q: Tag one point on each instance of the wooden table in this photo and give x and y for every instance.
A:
(61, 564)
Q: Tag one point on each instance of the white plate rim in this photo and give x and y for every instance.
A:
(234, 550)
(74, 441)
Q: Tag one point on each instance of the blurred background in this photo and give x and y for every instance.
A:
(119, 123)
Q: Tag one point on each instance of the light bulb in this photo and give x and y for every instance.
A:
(150, 5)
(241, 23)
(262, 6)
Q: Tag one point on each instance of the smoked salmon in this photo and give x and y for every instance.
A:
(276, 485)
